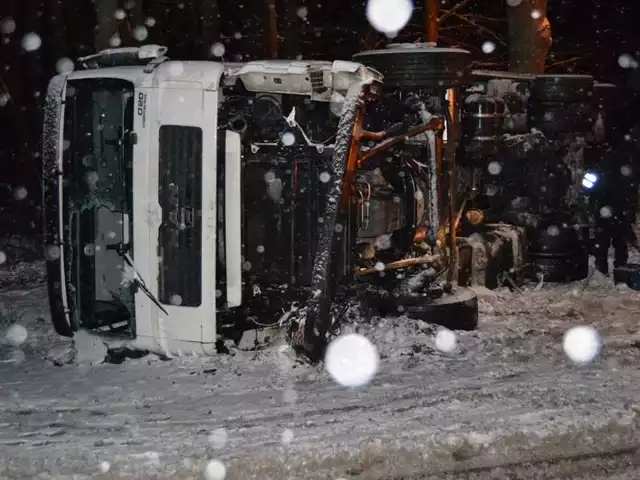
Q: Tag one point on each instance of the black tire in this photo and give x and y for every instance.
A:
(455, 311)
(556, 117)
(604, 95)
(553, 238)
(560, 268)
(419, 66)
(562, 88)
(628, 274)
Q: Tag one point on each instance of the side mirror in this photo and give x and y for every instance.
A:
(233, 217)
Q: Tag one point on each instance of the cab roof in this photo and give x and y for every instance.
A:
(147, 66)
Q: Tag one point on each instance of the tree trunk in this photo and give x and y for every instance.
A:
(529, 36)
(292, 37)
(432, 12)
(135, 18)
(106, 23)
(210, 27)
(274, 41)
(370, 40)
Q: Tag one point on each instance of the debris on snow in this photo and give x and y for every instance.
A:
(90, 348)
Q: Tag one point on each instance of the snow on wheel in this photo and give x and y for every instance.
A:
(562, 88)
(456, 311)
(419, 65)
(628, 274)
(557, 117)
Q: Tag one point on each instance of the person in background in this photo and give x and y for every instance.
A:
(614, 200)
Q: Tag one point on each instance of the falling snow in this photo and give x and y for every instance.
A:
(494, 168)
(352, 360)
(64, 65)
(31, 42)
(7, 26)
(488, 47)
(445, 340)
(389, 16)
(581, 344)
(217, 49)
(140, 33)
(15, 335)
(506, 383)
(215, 470)
(627, 61)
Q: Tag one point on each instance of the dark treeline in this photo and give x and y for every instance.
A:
(588, 36)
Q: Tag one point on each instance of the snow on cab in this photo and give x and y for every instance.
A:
(156, 178)
(188, 202)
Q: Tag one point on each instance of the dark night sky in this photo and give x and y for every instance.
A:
(597, 31)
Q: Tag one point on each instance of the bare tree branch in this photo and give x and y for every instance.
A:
(453, 10)
(488, 31)
(568, 61)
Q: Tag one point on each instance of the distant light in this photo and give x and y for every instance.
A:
(589, 180)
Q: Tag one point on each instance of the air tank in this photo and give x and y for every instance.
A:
(482, 122)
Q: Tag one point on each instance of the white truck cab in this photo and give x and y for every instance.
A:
(147, 180)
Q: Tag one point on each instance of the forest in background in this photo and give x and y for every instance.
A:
(588, 37)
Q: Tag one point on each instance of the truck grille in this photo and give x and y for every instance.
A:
(180, 234)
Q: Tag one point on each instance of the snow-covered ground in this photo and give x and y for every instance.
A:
(507, 394)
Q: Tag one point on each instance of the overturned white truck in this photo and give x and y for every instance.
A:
(190, 201)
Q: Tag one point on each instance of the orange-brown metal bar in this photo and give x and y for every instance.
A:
(377, 136)
(459, 215)
(453, 185)
(407, 262)
(436, 124)
(442, 194)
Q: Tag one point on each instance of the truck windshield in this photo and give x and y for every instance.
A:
(97, 199)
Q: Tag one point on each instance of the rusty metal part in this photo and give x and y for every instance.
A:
(400, 264)
(368, 252)
(475, 216)
(453, 183)
(421, 234)
(437, 124)
(459, 215)
(441, 192)
(377, 136)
